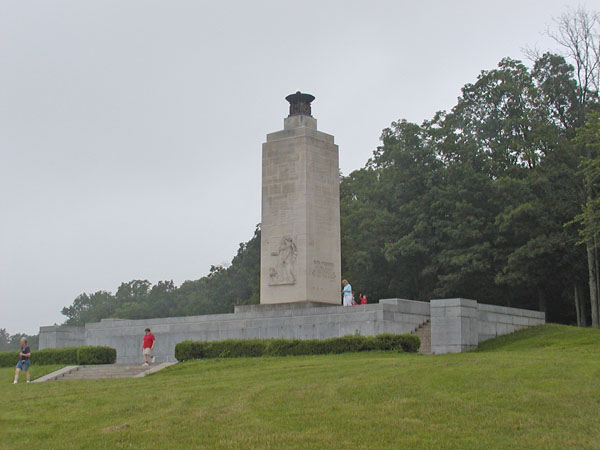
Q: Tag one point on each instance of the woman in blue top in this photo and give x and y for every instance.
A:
(346, 293)
(24, 361)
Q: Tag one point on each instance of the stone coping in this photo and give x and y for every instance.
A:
(65, 328)
(279, 306)
(323, 310)
(482, 307)
(302, 131)
(511, 311)
(445, 302)
(257, 315)
(408, 306)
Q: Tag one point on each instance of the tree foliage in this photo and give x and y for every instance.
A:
(474, 202)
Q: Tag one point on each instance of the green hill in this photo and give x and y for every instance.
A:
(549, 336)
(537, 388)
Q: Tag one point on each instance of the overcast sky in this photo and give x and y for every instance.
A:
(131, 131)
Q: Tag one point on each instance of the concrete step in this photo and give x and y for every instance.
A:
(90, 377)
(104, 371)
(94, 370)
(424, 333)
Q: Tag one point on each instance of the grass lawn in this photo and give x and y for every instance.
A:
(8, 373)
(538, 388)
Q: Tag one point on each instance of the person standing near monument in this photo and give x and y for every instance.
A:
(23, 364)
(148, 346)
(346, 293)
(363, 299)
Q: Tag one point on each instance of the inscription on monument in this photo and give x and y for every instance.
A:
(284, 271)
(322, 269)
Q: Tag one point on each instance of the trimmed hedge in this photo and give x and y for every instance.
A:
(233, 348)
(96, 355)
(67, 355)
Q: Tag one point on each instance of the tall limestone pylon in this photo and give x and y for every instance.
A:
(300, 228)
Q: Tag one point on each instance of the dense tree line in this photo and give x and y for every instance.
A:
(495, 200)
(215, 293)
(477, 202)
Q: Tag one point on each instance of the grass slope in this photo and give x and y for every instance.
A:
(8, 374)
(537, 388)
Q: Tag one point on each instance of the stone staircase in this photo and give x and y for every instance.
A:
(424, 333)
(103, 371)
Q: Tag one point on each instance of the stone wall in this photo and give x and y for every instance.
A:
(300, 323)
(456, 325)
(453, 325)
(499, 320)
(459, 324)
(61, 336)
(403, 316)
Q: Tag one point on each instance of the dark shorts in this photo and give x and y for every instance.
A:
(23, 364)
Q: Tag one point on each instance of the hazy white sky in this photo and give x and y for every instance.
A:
(131, 131)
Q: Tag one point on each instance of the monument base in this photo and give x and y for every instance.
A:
(279, 306)
(456, 325)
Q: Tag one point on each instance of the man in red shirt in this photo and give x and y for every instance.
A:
(148, 346)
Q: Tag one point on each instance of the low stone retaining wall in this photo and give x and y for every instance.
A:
(459, 324)
(61, 337)
(456, 325)
(498, 320)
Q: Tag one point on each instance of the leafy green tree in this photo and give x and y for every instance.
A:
(90, 308)
(578, 32)
(588, 139)
(4, 340)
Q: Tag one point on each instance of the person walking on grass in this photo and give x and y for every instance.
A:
(346, 293)
(23, 364)
(148, 347)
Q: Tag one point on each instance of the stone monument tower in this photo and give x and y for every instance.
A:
(300, 229)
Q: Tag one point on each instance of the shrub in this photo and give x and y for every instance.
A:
(401, 342)
(283, 347)
(9, 358)
(187, 350)
(96, 355)
(67, 355)
(411, 343)
(232, 348)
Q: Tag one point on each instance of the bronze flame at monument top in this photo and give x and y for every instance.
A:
(300, 104)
